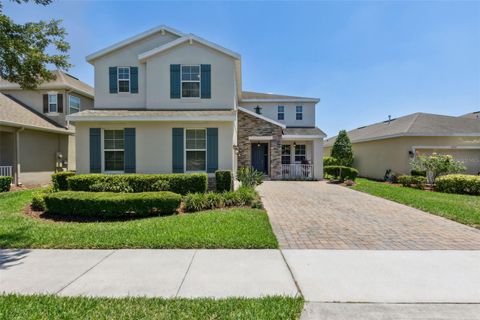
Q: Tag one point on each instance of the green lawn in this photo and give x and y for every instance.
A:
(233, 228)
(53, 307)
(461, 208)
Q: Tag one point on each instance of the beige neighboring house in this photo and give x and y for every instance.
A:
(167, 101)
(392, 144)
(35, 137)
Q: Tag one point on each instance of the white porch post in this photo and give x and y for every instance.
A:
(318, 158)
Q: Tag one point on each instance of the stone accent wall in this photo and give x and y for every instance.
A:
(249, 125)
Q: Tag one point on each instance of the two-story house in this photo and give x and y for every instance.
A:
(35, 137)
(166, 101)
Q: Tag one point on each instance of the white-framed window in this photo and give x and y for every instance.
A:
(113, 150)
(286, 153)
(123, 79)
(195, 149)
(52, 103)
(300, 153)
(190, 81)
(73, 104)
(299, 112)
(281, 113)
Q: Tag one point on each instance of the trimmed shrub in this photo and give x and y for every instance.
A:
(341, 172)
(249, 177)
(459, 183)
(38, 201)
(5, 183)
(161, 185)
(329, 161)
(59, 180)
(342, 149)
(111, 204)
(211, 200)
(120, 186)
(418, 173)
(178, 183)
(223, 180)
(417, 182)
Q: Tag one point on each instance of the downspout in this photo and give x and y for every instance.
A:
(17, 155)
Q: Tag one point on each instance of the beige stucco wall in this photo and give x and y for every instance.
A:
(128, 57)
(222, 78)
(154, 144)
(34, 99)
(373, 158)
(270, 110)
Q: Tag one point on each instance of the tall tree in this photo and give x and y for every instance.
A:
(342, 149)
(24, 49)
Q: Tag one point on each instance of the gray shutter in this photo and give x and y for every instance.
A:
(112, 75)
(133, 79)
(45, 103)
(95, 151)
(177, 150)
(60, 103)
(212, 149)
(130, 159)
(206, 81)
(175, 82)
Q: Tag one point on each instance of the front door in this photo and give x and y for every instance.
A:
(260, 157)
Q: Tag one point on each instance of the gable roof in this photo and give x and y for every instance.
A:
(303, 131)
(262, 117)
(62, 81)
(126, 42)
(250, 96)
(16, 114)
(187, 38)
(416, 124)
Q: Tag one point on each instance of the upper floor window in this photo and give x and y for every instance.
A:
(299, 113)
(52, 103)
(73, 104)
(281, 113)
(196, 149)
(123, 79)
(190, 81)
(114, 150)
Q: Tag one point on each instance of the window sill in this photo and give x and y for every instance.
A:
(52, 114)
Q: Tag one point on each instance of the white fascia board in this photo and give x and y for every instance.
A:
(190, 37)
(302, 137)
(133, 39)
(262, 117)
(446, 147)
(282, 100)
(74, 118)
(20, 125)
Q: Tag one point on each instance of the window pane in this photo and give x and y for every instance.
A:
(109, 144)
(52, 107)
(196, 160)
(190, 134)
(281, 109)
(123, 86)
(190, 144)
(109, 134)
(281, 116)
(190, 89)
(190, 73)
(114, 160)
(123, 73)
(299, 108)
(52, 98)
(286, 149)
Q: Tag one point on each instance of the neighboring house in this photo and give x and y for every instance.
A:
(35, 137)
(392, 144)
(166, 102)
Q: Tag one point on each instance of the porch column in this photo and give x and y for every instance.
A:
(318, 159)
(16, 157)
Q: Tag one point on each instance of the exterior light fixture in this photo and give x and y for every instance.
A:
(258, 110)
(294, 144)
(235, 149)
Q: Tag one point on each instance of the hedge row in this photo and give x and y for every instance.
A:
(5, 183)
(412, 181)
(110, 204)
(223, 180)
(341, 172)
(59, 180)
(177, 183)
(458, 183)
(244, 196)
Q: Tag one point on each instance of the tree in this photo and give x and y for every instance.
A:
(23, 49)
(342, 149)
(436, 165)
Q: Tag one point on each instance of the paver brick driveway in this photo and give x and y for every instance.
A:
(318, 215)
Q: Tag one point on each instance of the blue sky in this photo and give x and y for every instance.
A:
(364, 60)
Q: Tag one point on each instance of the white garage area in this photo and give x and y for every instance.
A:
(470, 156)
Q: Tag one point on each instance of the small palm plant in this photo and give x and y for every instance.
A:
(249, 177)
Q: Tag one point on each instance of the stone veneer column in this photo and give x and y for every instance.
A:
(249, 125)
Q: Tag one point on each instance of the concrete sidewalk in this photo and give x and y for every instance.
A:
(151, 273)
